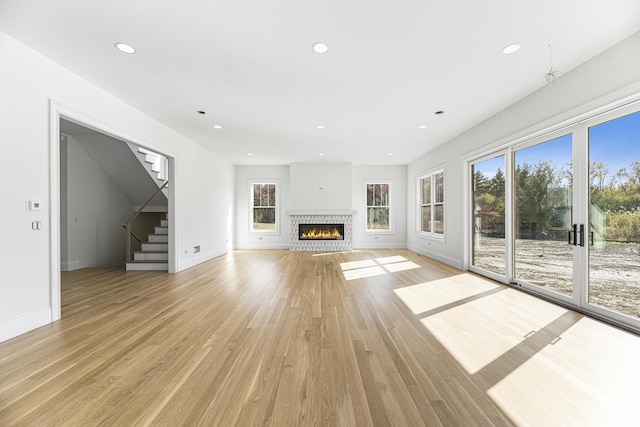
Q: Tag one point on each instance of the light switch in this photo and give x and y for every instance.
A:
(33, 205)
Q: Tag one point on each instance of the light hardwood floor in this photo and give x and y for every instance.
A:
(373, 337)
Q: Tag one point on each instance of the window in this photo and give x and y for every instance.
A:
(431, 196)
(264, 207)
(378, 211)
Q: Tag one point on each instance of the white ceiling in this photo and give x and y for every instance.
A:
(249, 65)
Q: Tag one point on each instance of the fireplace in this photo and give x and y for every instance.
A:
(301, 221)
(321, 232)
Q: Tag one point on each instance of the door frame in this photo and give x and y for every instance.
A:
(576, 121)
(59, 111)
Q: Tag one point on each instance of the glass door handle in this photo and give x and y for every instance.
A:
(581, 235)
(574, 231)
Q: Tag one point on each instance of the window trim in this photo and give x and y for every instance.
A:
(251, 207)
(389, 206)
(432, 203)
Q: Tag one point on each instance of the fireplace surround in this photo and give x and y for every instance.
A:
(327, 220)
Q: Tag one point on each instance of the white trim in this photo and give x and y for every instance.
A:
(58, 111)
(276, 207)
(437, 256)
(381, 246)
(266, 246)
(440, 237)
(70, 266)
(390, 205)
(55, 304)
(15, 327)
(321, 212)
(203, 258)
(574, 122)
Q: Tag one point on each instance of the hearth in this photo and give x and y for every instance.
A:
(321, 232)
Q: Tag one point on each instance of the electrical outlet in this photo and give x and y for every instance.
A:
(196, 249)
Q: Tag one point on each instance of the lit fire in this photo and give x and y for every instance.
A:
(314, 233)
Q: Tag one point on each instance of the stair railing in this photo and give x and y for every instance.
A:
(127, 226)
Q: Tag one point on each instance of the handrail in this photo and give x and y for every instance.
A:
(127, 226)
(135, 236)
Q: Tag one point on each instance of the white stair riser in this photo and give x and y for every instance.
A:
(155, 246)
(151, 256)
(161, 230)
(158, 238)
(142, 266)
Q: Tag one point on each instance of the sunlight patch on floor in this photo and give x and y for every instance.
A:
(361, 273)
(374, 267)
(401, 266)
(480, 331)
(390, 259)
(564, 387)
(357, 264)
(437, 293)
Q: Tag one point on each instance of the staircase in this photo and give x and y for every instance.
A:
(156, 165)
(154, 254)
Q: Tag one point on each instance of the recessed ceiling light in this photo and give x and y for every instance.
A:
(391, 154)
(512, 48)
(320, 47)
(439, 112)
(422, 127)
(217, 127)
(125, 48)
(201, 112)
(320, 154)
(320, 127)
(249, 154)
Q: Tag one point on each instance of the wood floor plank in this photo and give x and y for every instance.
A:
(279, 338)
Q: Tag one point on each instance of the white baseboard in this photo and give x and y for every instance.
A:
(70, 266)
(438, 257)
(15, 327)
(201, 258)
(263, 246)
(381, 246)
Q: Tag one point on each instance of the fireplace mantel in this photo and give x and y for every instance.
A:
(321, 212)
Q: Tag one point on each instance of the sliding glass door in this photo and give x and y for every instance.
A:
(543, 194)
(560, 215)
(614, 215)
(489, 244)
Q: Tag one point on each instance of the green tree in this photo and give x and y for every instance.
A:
(534, 209)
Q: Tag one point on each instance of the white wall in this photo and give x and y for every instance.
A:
(244, 238)
(351, 184)
(397, 176)
(320, 186)
(609, 76)
(95, 211)
(203, 184)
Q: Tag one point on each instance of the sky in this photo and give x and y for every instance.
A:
(615, 143)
